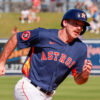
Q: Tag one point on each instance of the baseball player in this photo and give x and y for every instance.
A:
(53, 55)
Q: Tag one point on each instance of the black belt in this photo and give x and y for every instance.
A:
(44, 91)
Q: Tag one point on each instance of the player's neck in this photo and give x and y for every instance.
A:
(64, 36)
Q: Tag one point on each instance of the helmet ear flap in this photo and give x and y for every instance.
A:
(83, 31)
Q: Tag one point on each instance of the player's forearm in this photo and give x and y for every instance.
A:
(22, 52)
(8, 49)
(80, 78)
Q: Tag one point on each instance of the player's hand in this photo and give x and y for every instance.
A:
(2, 69)
(87, 68)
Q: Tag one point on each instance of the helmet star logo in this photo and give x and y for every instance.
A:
(83, 15)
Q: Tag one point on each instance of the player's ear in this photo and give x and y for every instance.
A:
(64, 23)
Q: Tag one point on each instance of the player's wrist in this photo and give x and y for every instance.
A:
(2, 61)
(80, 78)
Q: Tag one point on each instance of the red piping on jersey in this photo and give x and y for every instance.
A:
(26, 66)
(24, 91)
(74, 72)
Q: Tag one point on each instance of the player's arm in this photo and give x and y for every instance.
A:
(8, 49)
(82, 77)
(21, 52)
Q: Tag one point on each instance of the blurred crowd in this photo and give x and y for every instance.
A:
(91, 8)
(60, 6)
(31, 14)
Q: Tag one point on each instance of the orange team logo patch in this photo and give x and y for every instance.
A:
(26, 35)
(83, 15)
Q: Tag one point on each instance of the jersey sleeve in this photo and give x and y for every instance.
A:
(27, 38)
(80, 62)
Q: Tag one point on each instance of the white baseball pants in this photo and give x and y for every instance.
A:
(24, 90)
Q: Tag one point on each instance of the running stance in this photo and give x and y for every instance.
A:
(53, 55)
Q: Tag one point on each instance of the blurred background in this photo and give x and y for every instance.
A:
(21, 15)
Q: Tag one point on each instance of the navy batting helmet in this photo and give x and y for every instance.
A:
(76, 14)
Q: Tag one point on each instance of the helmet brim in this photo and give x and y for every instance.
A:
(87, 24)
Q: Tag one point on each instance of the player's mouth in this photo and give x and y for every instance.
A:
(76, 32)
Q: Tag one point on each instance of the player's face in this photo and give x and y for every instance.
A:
(74, 28)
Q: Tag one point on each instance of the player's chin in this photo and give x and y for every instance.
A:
(75, 34)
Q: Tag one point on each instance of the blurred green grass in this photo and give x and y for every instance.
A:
(68, 90)
(47, 20)
(9, 20)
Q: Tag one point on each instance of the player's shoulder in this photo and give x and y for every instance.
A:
(45, 31)
(80, 44)
(37, 30)
(79, 41)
